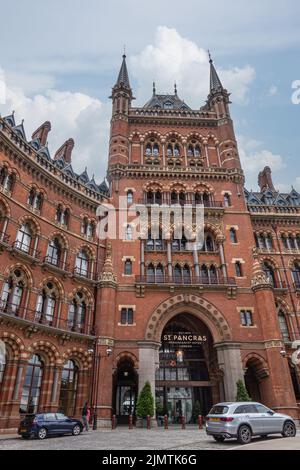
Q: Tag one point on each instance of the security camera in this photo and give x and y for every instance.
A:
(109, 351)
(283, 352)
(90, 351)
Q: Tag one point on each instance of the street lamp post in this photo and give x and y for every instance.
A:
(95, 385)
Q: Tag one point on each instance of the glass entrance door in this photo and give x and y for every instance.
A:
(125, 401)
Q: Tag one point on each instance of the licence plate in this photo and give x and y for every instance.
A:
(23, 430)
(215, 420)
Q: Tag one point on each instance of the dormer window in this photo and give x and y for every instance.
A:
(168, 105)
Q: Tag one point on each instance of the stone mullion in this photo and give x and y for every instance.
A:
(82, 393)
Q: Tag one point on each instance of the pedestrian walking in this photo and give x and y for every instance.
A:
(86, 414)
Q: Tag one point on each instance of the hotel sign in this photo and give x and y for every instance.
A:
(184, 339)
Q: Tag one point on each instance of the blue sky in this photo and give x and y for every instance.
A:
(59, 60)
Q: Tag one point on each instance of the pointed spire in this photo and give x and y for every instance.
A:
(154, 89)
(123, 78)
(175, 88)
(215, 82)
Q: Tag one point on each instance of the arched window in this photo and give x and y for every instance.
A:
(59, 214)
(178, 274)
(159, 273)
(209, 243)
(174, 198)
(129, 198)
(32, 385)
(238, 269)
(6, 180)
(82, 263)
(87, 227)
(35, 199)
(129, 233)
(152, 148)
(3, 175)
(66, 217)
(233, 235)
(227, 200)
(3, 362)
(296, 274)
(77, 313)
(46, 303)
(283, 326)
(206, 200)
(213, 275)
(270, 272)
(68, 389)
(204, 274)
(12, 293)
(173, 149)
(54, 252)
(24, 238)
(194, 149)
(128, 267)
(186, 274)
(150, 273)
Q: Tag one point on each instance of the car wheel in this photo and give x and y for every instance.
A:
(42, 433)
(219, 438)
(289, 429)
(244, 434)
(76, 430)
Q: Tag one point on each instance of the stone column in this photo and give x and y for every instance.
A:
(148, 363)
(169, 252)
(142, 257)
(230, 362)
(223, 264)
(196, 260)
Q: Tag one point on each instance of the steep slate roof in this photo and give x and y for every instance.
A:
(60, 162)
(273, 198)
(166, 102)
(123, 78)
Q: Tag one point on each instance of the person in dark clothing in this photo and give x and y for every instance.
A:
(86, 413)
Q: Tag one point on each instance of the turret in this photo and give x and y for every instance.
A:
(218, 98)
(122, 92)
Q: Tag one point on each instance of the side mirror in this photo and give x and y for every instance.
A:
(271, 413)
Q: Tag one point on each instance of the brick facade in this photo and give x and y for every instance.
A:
(66, 304)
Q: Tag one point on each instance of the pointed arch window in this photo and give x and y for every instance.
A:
(46, 305)
(77, 313)
(13, 293)
(3, 362)
(159, 273)
(24, 238)
(238, 269)
(227, 200)
(296, 274)
(178, 274)
(233, 235)
(128, 267)
(204, 274)
(129, 197)
(68, 389)
(151, 273)
(6, 180)
(32, 385)
(270, 273)
(129, 233)
(54, 252)
(283, 326)
(186, 274)
(82, 263)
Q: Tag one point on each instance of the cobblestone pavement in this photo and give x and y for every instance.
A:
(141, 439)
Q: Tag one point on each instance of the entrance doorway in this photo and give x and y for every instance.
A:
(125, 390)
(187, 362)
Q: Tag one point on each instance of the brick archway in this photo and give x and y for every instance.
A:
(194, 305)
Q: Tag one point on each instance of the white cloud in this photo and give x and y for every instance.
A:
(254, 157)
(273, 90)
(2, 87)
(175, 58)
(75, 115)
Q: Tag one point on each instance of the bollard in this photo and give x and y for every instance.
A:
(113, 422)
(148, 422)
(166, 422)
(182, 422)
(200, 422)
(130, 422)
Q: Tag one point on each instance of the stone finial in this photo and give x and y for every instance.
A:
(65, 151)
(107, 275)
(259, 278)
(265, 180)
(42, 133)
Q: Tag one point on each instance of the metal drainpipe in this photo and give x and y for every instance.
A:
(286, 277)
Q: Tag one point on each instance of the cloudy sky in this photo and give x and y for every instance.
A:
(60, 58)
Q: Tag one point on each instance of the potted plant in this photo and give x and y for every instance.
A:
(145, 405)
(242, 394)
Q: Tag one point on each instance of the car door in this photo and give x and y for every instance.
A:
(256, 421)
(63, 423)
(273, 423)
(50, 422)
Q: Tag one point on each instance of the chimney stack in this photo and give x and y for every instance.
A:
(265, 180)
(65, 151)
(42, 133)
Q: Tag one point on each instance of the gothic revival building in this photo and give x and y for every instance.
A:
(89, 319)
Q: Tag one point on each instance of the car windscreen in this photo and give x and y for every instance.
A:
(219, 410)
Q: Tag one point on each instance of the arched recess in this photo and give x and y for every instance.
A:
(194, 305)
(256, 372)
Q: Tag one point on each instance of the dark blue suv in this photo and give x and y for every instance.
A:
(41, 425)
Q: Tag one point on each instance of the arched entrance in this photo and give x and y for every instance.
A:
(125, 390)
(186, 375)
(256, 373)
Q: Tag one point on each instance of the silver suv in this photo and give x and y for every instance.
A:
(244, 420)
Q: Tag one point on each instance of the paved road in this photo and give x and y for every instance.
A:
(141, 439)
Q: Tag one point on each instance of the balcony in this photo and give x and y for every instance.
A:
(56, 264)
(83, 274)
(206, 204)
(44, 321)
(297, 285)
(26, 251)
(186, 281)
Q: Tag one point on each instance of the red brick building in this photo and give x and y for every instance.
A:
(92, 320)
